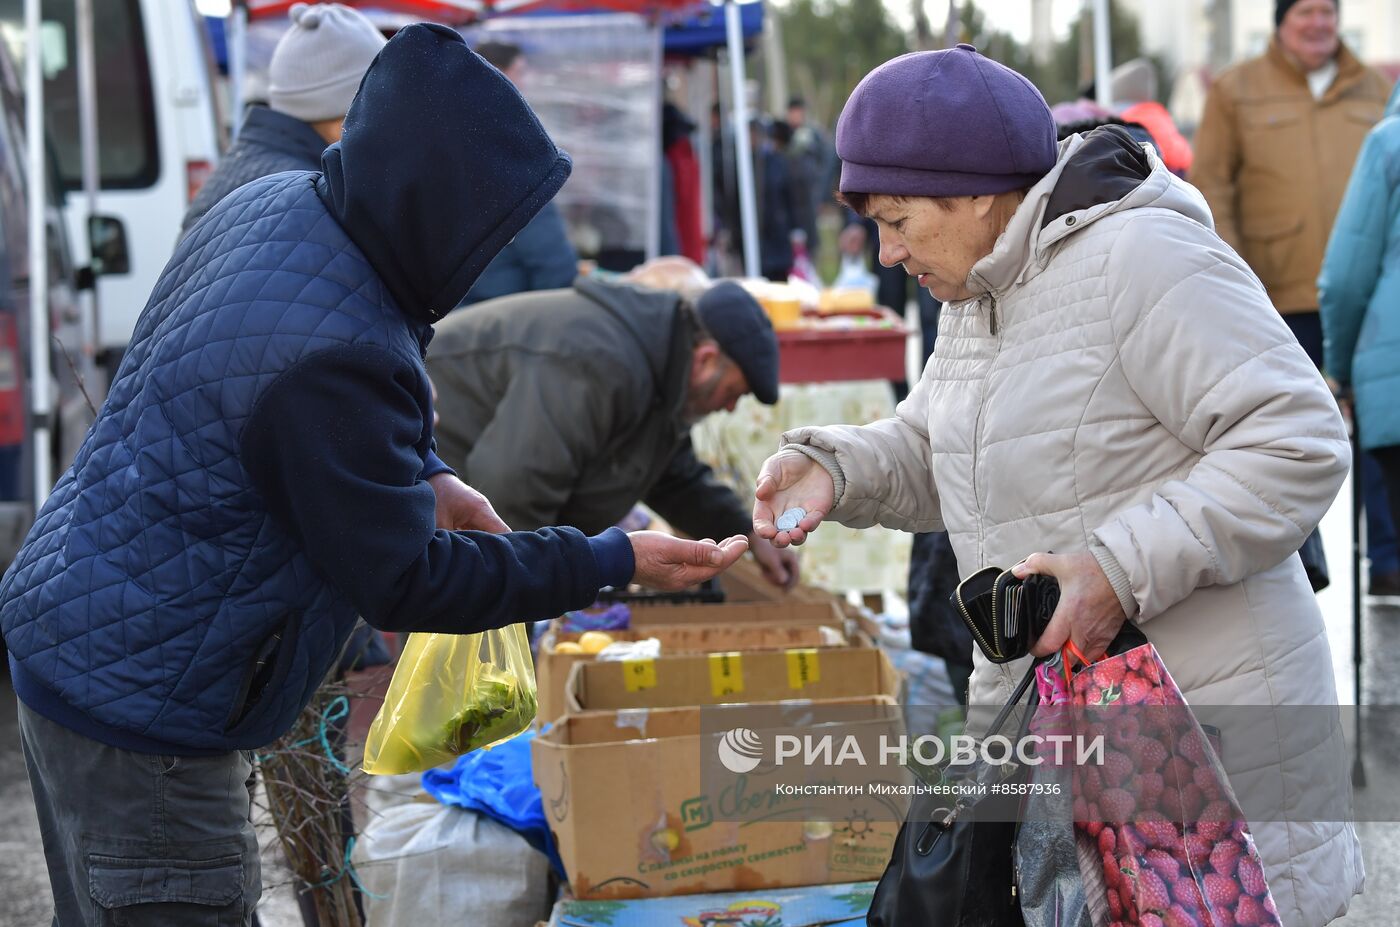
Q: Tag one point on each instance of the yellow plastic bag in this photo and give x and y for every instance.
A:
(451, 694)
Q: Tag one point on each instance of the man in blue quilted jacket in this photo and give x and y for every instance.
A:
(261, 473)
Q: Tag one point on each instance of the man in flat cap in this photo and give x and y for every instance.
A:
(568, 406)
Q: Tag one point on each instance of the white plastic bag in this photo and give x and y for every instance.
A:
(434, 864)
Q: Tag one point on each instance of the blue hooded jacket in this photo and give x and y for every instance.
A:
(1359, 287)
(256, 477)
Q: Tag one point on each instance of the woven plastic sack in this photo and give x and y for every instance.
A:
(451, 694)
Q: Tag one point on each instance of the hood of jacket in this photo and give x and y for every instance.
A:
(440, 164)
(1098, 174)
(1392, 108)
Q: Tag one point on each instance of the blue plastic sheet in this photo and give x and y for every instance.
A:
(499, 783)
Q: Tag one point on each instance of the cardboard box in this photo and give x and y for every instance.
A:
(552, 668)
(644, 616)
(720, 679)
(820, 906)
(740, 613)
(623, 795)
(744, 582)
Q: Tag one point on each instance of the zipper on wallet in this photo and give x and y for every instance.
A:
(972, 625)
(1005, 628)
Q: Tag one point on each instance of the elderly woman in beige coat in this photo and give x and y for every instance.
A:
(1112, 384)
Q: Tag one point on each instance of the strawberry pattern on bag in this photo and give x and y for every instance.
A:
(1171, 845)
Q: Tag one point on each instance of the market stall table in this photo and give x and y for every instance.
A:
(866, 344)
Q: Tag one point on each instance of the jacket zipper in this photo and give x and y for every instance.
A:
(977, 425)
(996, 617)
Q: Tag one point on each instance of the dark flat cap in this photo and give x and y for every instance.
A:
(741, 329)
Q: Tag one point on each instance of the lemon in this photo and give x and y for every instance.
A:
(666, 840)
(567, 647)
(594, 641)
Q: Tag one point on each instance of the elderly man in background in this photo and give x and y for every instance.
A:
(1274, 151)
(569, 406)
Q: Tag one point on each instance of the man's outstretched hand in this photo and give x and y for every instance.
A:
(670, 563)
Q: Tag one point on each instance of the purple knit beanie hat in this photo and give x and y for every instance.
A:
(944, 123)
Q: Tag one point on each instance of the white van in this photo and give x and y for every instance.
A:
(69, 355)
(158, 130)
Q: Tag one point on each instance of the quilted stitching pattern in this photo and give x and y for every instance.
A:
(153, 573)
(269, 143)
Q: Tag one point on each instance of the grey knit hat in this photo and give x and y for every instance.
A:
(318, 64)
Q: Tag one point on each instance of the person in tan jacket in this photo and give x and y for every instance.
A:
(1111, 383)
(1274, 150)
(1276, 144)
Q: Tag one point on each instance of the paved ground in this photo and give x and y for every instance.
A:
(24, 884)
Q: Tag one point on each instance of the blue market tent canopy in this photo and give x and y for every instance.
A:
(704, 31)
(690, 28)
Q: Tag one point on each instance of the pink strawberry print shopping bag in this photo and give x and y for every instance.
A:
(1158, 826)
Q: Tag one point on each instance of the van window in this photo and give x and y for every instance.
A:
(126, 121)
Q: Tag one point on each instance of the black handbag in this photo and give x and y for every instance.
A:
(953, 863)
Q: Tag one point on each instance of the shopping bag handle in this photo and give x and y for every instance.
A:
(1129, 637)
(1071, 650)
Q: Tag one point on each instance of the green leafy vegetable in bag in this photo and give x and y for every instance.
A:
(452, 694)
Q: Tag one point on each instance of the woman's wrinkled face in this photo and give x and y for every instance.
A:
(936, 240)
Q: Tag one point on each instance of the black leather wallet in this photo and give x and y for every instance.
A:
(1006, 615)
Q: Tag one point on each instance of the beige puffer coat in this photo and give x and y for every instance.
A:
(1123, 385)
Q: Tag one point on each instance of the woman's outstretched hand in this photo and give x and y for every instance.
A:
(791, 480)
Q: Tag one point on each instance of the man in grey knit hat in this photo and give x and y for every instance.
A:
(315, 71)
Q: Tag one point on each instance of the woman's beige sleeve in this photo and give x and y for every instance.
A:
(1212, 360)
(885, 467)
